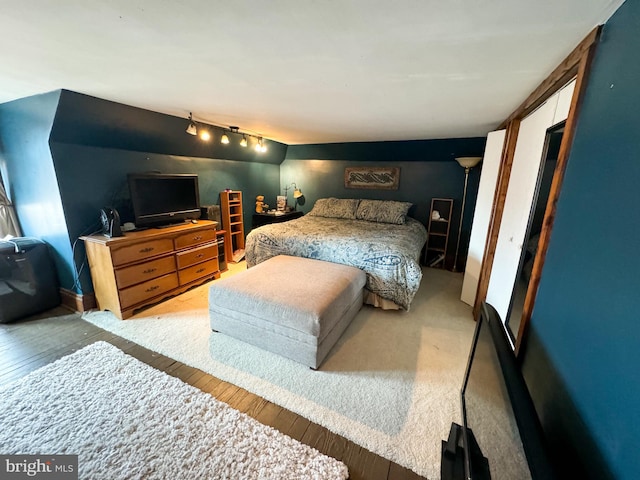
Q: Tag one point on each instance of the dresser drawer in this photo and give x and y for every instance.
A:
(125, 277)
(139, 293)
(197, 255)
(194, 238)
(200, 270)
(140, 251)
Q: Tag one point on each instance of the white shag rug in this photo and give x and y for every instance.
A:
(391, 384)
(125, 419)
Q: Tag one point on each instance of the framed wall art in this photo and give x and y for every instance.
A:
(382, 178)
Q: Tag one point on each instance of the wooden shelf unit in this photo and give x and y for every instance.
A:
(435, 253)
(233, 222)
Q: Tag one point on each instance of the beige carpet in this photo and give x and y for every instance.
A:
(391, 383)
(125, 419)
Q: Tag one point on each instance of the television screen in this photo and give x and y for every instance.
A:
(160, 199)
(499, 419)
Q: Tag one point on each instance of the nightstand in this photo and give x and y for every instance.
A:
(260, 219)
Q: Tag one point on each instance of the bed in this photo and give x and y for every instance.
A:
(376, 236)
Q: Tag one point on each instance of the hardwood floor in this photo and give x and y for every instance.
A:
(36, 341)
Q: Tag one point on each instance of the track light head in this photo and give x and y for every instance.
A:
(259, 145)
(191, 129)
(243, 142)
(225, 137)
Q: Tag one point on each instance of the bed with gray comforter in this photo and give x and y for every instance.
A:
(351, 232)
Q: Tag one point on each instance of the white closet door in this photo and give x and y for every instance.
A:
(482, 214)
(564, 102)
(517, 207)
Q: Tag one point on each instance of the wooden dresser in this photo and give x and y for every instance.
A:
(145, 267)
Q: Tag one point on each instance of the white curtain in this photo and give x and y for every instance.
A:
(8, 222)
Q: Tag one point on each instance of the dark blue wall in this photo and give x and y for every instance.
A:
(582, 361)
(29, 175)
(92, 177)
(427, 169)
(85, 120)
(61, 171)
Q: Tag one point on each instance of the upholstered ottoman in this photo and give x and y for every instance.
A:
(295, 307)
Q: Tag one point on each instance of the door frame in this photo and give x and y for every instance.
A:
(577, 65)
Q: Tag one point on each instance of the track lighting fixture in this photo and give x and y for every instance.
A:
(260, 147)
(194, 128)
(225, 137)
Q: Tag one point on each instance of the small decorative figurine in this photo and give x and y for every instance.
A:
(260, 205)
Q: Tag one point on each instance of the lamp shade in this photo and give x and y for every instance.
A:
(297, 193)
(468, 162)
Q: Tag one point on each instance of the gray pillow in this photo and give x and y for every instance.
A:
(383, 211)
(335, 208)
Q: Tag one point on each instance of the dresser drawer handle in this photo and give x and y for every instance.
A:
(147, 250)
(199, 237)
(151, 289)
(200, 270)
(149, 270)
(200, 255)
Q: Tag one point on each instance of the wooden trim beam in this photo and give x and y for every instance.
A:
(554, 195)
(576, 64)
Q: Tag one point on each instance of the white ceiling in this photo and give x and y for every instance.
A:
(299, 71)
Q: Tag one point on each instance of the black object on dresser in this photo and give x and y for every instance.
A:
(260, 219)
(28, 280)
(211, 212)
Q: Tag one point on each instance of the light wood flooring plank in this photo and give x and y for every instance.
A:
(299, 427)
(268, 414)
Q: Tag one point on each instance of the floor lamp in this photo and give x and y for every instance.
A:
(467, 163)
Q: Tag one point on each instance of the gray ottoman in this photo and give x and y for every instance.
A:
(295, 307)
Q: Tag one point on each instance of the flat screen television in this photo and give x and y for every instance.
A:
(501, 436)
(162, 199)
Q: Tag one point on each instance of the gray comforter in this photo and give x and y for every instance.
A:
(389, 254)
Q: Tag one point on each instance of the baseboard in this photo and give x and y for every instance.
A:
(77, 302)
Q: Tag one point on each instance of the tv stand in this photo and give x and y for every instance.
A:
(452, 458)
(145, 267)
